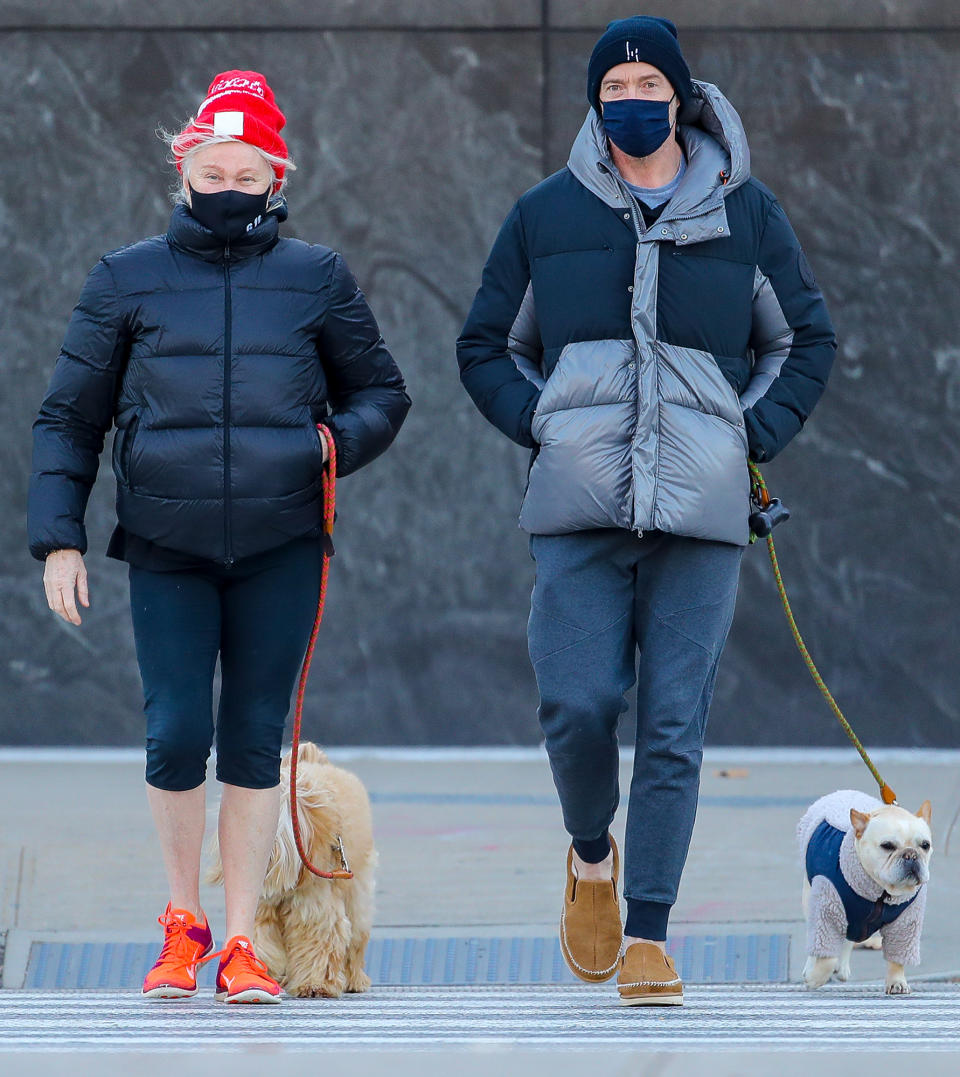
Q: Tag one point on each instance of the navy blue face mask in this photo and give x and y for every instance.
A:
(229, 214)
(637, 126)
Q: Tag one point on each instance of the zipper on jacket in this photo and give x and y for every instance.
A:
(227, 361)
(640, 228)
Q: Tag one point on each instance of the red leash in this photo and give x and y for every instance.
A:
(329, 511)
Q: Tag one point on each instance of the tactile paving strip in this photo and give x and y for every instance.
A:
(443, 961)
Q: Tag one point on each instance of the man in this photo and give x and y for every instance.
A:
(646, 321)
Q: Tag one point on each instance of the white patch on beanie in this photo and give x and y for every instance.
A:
(228, 123)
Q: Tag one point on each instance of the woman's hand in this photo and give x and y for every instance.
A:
(63, 572)
(323, 444)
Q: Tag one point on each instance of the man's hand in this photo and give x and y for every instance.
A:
(64, 572)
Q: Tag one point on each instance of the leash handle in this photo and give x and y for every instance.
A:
(760, 494)
(329, 514)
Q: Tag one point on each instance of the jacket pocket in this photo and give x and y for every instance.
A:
(587, 374)
(126, 450)
(693, 379)
(584, 419)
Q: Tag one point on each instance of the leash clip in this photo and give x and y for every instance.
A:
(344, 871)
(768, 516)
(769, 511)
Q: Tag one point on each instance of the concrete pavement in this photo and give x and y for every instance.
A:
(471, 845)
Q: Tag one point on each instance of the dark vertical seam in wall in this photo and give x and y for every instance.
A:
(545, 86)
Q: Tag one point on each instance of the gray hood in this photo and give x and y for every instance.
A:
(714, 141)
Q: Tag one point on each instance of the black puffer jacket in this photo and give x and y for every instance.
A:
(216, 364)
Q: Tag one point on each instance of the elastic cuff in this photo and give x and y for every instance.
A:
(249, 783)
(593, 851)
(647, 919)
(169, 786)
(337, 443)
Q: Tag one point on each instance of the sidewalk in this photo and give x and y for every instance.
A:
(470, 845)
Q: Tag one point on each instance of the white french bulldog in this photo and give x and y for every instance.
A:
(865, 874)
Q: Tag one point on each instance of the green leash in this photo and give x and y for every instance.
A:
(761, 498)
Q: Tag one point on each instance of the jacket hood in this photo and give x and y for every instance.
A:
(714, 142)
(187, 233)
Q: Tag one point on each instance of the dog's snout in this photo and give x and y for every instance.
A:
(911, 865)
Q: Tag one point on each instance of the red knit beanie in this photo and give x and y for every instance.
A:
(239, 104)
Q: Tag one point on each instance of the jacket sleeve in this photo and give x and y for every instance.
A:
(792, 340)
(505, 395)
(75, 416)
(368, 397)
(826, 919)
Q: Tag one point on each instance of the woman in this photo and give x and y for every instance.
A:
(217, 349)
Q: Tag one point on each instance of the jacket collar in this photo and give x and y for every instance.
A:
(188, 234)
(715, 145)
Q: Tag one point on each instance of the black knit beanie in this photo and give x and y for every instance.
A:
(644, 38)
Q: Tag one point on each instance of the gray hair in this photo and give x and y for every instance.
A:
(185, 144)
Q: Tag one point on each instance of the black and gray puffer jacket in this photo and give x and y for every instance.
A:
(216, 363)
(644, 365)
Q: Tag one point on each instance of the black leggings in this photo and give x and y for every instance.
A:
(257, 616)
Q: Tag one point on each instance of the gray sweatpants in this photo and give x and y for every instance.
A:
(599, 597)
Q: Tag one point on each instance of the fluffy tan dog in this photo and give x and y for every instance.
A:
(311, 932)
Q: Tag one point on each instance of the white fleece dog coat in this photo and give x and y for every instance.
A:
(827, 917)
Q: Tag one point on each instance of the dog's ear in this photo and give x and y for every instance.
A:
(925, 812)
(858, 821)
(283, 869)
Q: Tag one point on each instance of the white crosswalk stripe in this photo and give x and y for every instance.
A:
(723, 1018)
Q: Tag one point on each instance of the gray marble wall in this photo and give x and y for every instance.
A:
(415, 125)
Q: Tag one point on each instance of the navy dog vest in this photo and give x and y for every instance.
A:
(864, 916)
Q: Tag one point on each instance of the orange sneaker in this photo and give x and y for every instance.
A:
(242, 976)
(186, 942)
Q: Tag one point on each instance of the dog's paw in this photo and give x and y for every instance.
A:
(873, 943)
(356, 985)
(897, 985)
(843, 972)
(818, 970)
(327, 990)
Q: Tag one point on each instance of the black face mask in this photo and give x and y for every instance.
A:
(229, 214)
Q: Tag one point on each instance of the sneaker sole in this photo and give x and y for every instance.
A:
(160, 994)
(653, 1000)
(166, 992)
(251, 995)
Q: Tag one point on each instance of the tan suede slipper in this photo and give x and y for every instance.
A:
(590, 929)
(648, 977)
